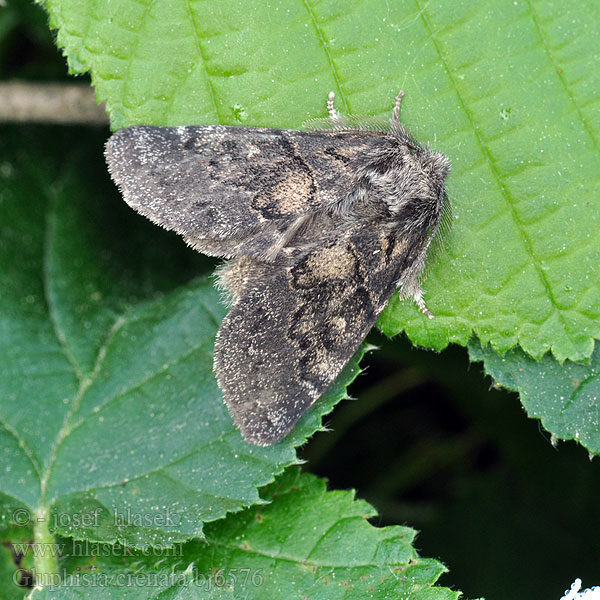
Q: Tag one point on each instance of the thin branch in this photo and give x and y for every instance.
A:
(67, 104)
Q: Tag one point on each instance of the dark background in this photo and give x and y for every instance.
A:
(429, 442)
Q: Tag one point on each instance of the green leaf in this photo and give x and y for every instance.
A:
(563, 396)
(304, 542)
(507, 90)
(111, 422)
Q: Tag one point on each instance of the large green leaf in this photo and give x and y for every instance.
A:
(508, 90)
(305, 543)
(108, 403)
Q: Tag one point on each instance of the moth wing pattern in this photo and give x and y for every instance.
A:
(294, 328)
(230, 191)
(321, 227)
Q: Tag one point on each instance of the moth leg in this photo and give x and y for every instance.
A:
(397, 106)
(332, 112)
(415, 292)
(421, 304)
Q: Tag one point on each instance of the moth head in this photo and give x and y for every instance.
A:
(413, 188)
(436, 166)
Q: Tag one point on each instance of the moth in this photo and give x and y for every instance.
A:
(320, 227)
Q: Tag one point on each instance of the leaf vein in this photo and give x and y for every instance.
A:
(84, 384)
(211, 89)
(22, 444)
(47, 287)
(488, 158)
(102, 354)
(561, 76)
(324, 44)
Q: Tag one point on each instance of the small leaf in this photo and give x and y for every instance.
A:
(563, 396)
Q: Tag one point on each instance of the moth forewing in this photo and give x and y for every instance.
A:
(321, 227)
